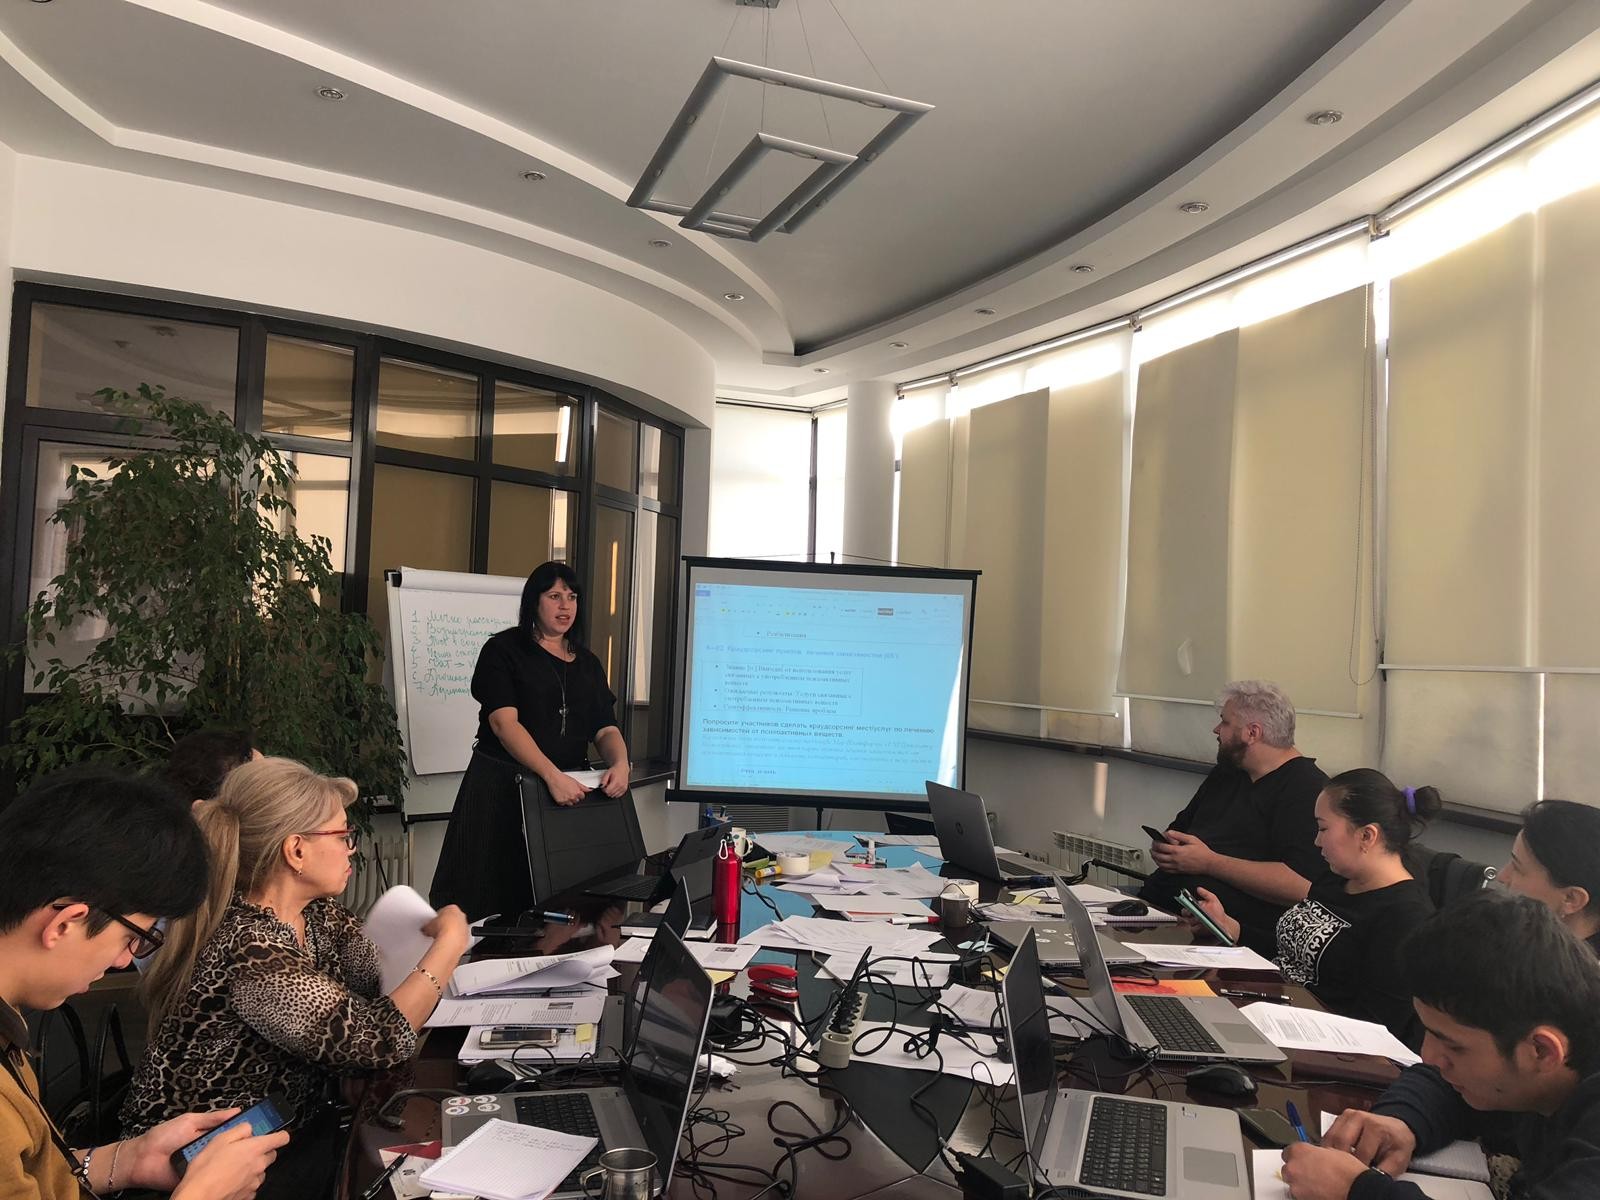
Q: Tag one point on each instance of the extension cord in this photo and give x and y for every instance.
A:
(838, 1040)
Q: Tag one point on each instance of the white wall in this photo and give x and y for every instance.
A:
(129, 232)
(8, 188)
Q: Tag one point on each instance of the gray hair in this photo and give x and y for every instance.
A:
(1264, 703)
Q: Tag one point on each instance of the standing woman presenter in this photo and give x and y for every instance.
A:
(543, 697)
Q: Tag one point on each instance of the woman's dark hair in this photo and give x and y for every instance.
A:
(118, 842)
(200, 761)
(545, 576)
(1504, 964)
(1565, 838)
(1368, 797)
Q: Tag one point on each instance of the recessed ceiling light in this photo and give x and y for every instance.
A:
(984, 312)
(1324, 116)
(899, 345)
(533, 176)
(660, 243)
(1083, 269)
(820, 370)
(329, 92)
(733, 295)
(1193, 206)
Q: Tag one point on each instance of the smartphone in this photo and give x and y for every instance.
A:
(269, 1116)
(1192, 907)
(1156, 835)
(1269, 1126)
(519, 1035)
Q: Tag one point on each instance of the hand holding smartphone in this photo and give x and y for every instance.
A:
(269, 1116)
(1156, 835)
(1192, 906)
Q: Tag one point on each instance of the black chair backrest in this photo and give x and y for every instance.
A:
(590, 840)
(1447, 875)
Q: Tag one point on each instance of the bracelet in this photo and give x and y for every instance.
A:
(111, 1175)
(83, 1168)
(430, 977)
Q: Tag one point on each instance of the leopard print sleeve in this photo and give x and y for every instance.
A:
(314, 1015)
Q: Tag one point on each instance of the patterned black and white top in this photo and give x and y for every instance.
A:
(265, 1014)
(1345, 949)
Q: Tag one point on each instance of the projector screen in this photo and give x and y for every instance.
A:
(806, 683)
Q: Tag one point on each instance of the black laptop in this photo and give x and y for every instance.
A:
(691, 863)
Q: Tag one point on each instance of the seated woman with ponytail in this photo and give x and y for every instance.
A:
(1342, 942)
(271, 986)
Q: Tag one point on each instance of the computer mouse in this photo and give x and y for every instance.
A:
(1225, 1079)
(1128, 908)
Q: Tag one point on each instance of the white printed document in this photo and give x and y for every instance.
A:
(1206, 958)
(927, 969)
(1458, 1160)
(394, 926)
(1290, 1028)
(858, 908)
(1266, 1167)
(502, 1160)
(577, 1009)
(713, 956)
(588, 780)
(535, 971)
(953, 1058)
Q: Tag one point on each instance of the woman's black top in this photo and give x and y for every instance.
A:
(1345, 949)
(514, 671)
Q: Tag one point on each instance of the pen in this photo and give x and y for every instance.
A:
(388, 1173)
(559, 918)
(1294, 1119)
(1238, 994)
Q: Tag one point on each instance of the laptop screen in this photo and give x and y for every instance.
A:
(1028, 1028)
(1102, 996)
(659, 1074)
(962, 824)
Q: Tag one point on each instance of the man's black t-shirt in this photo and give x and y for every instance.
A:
(1272, 819)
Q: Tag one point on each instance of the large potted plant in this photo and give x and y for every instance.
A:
(216, 613)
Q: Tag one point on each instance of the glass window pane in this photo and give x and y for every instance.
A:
(651, 698)
(308, 388)
(658, 479)
(321, 498)
(49, 557)
(611, 591)
(534, 428)
(419, 519)
(528, 526)
(616, 451)
(74, 352)
(427, 409)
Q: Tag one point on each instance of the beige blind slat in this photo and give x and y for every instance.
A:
(925, 496)
(1475, 737)
(1175, 630)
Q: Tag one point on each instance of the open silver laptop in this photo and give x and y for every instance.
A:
(962, 825)
(1186, 1028)
(658, 1076)
(1057, 941)
(1111, 1145)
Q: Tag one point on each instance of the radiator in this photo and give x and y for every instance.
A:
(1071, 849)
(368, 883)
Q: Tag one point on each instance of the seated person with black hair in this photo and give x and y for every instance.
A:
(1511, 1004)
(1343, 941)
(1247, 835)
(200, 761)
(88, 860)
(1556, 861)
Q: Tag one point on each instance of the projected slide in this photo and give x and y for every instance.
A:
(825, 686)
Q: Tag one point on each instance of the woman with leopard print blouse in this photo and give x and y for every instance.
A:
(271, 986)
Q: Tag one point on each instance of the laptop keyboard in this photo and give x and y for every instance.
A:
(1125, 1147)
(1172, 1024)
(565, 1112)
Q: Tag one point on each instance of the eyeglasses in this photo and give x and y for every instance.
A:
(143, 943)
(350, 835)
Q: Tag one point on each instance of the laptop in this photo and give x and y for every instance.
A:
(1057, 942)
(1123, 1146)
(691, 863)
(650, 1106)
(1183, 1028)
(961, 823)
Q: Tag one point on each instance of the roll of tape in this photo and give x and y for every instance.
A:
(794, 864)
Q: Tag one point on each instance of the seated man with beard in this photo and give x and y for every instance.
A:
(1249, 834)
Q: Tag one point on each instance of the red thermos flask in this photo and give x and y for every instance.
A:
(725, 879)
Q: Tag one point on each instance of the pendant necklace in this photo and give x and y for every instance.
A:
(561, 679)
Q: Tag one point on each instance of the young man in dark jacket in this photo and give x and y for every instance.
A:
(1510, 1001)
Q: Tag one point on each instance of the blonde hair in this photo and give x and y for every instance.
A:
(262, 804)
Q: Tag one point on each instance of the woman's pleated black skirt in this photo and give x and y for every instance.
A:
(483, 866)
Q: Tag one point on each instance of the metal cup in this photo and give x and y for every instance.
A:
(955, 911)
(625, 1174)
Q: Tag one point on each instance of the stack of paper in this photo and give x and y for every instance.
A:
(840, 937)
(849, 879)
(876, 908)
(1306, 1029)
(713, 956)
(1207, 958)
(926, 969)
(534, 973)
(558, 1009)
(569, 1046)
(501, 1160)
(394, 926)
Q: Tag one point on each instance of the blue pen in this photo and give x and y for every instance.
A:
(558, 918)
(1294, 1119)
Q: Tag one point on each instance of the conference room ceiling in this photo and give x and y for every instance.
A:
(1065, 133)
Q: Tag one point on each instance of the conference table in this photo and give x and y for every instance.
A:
(881, 1144)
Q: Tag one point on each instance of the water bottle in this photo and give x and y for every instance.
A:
(725, 881)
